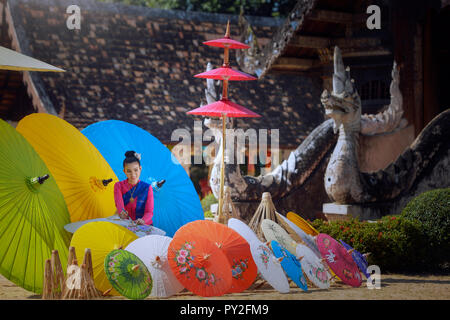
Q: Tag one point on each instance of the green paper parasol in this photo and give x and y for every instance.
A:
(128, 274)
(32, 213)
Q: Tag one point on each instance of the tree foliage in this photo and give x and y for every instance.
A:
(268, 8)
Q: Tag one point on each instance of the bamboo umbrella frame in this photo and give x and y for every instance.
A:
(265, 210)
(56, 286)
(229, 210)
(58, 275)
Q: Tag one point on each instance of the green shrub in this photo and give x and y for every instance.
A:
(207, 201)
(209, 214)
(431, 210)
(395, 243)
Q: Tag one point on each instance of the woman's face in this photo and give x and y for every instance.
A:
(132, 171)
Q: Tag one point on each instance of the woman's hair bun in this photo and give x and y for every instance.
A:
(130, 157)
(130, 154)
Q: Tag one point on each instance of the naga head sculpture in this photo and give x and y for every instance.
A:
(343, 104)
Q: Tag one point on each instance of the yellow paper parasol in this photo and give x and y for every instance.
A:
(101, 237)
(302, 223)
(13, 60)
(82, 174)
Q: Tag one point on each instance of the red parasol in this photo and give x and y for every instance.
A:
(224, 108)
(198, 264)
(225, 73)
(226, 42)
(339, 260)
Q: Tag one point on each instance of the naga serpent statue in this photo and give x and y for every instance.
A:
(300, 182)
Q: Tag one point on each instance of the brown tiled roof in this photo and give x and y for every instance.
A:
(137, 64)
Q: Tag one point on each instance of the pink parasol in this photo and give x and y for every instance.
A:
(339, 260)
(224, 107)
(225, 73)
(226, 42)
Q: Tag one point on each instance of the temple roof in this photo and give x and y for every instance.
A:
(137, 64)
(305, 41)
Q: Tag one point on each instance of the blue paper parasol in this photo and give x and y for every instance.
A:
(176, 203)
(358, 257)
(290, 264)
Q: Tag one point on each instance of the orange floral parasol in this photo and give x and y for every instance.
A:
(199, 265)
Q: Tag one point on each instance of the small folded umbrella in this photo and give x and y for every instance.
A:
(128, 274)
(244, 230)
(152, 250)
(302, 223)
(269, 266)
(198, 264)
(306, 238)
(273, 231)
(177, 202)
(32, 212)
(359, 258)
(101, 237)
(339, 260)
(82, 174)
(290, 264)
(313, 267)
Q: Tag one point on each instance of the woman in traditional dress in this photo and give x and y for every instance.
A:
(133, 197)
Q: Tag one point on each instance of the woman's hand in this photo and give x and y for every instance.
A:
(140, 221)
(123, 214)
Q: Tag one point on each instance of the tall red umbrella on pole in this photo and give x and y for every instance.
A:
(224, 108)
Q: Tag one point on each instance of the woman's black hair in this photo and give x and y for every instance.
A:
(130, 157)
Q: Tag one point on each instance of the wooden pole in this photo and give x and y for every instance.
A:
(226, 54)
(222, 169)
(225, 89)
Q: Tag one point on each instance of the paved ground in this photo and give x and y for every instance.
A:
(393, 287)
